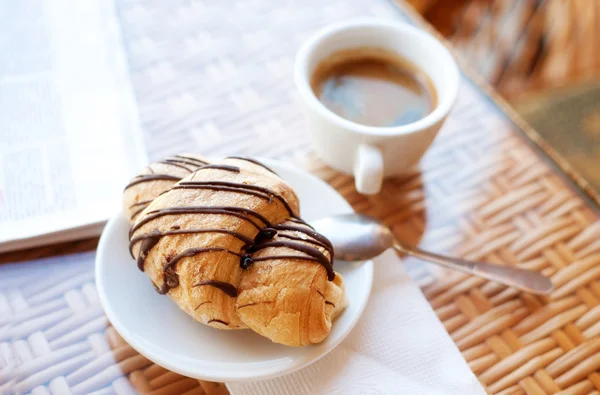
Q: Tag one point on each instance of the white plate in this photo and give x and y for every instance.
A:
(157, 328)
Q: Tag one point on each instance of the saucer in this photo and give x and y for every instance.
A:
(158, 329)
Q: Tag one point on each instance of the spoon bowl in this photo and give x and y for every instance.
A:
(360, 237)
(355, 237)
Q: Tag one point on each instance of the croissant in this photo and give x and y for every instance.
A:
(156, 179)
(227, 245)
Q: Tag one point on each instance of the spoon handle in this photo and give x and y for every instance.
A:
(523, 279)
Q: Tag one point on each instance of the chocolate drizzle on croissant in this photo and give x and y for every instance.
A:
(170, 169)
(253, 190)
(147, 244)
(247, 159)
(245, 214)
(151, 177)
(233, 169)
(227, 288)
(141, 206)
(252, 228)
(191, 160)
(247, 241)
(313, 254)
(242, 213)
(319, 239)
(178, 161)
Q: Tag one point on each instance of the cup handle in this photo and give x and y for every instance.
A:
(368, 169)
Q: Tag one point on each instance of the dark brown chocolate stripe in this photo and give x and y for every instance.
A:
(173, 163)
(227, 288)
(170, 281)
(170, 277)
(264, 235)
(247, 240)
(219, 321)
(313, 253)
(239, 212)
(311, 241)
(195, 251)
(140, 203)
(251, 304)
(247, 159)
(328, 302)
(297, 220)
(191, 159)
(151, 177)
(330, 276)
(230, 168)
(202, 304)
(310, 232)
(208, 185)
(248, 189)
(150, 241)
(137, 212)
(194, 163)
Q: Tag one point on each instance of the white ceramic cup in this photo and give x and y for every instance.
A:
(369, 152)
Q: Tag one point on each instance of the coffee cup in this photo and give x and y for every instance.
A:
(371, 153)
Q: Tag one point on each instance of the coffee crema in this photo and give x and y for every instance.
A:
(373, 87)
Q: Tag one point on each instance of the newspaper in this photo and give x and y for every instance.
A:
(69, 131)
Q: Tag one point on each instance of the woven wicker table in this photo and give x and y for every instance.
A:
(209, 75)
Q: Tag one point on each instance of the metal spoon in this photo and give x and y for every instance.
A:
(359, 237)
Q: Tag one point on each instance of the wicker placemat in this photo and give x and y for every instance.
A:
(485, 194)
(484, 191)
(55, 338)
(149, 378)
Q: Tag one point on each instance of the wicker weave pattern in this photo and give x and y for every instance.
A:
(521, 45)
(55, 338)
(484, 194)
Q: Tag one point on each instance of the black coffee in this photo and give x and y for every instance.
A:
(373, 87)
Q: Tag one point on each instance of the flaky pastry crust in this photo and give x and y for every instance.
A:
(226, 243)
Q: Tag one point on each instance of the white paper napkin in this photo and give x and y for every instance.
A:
(399, 346)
